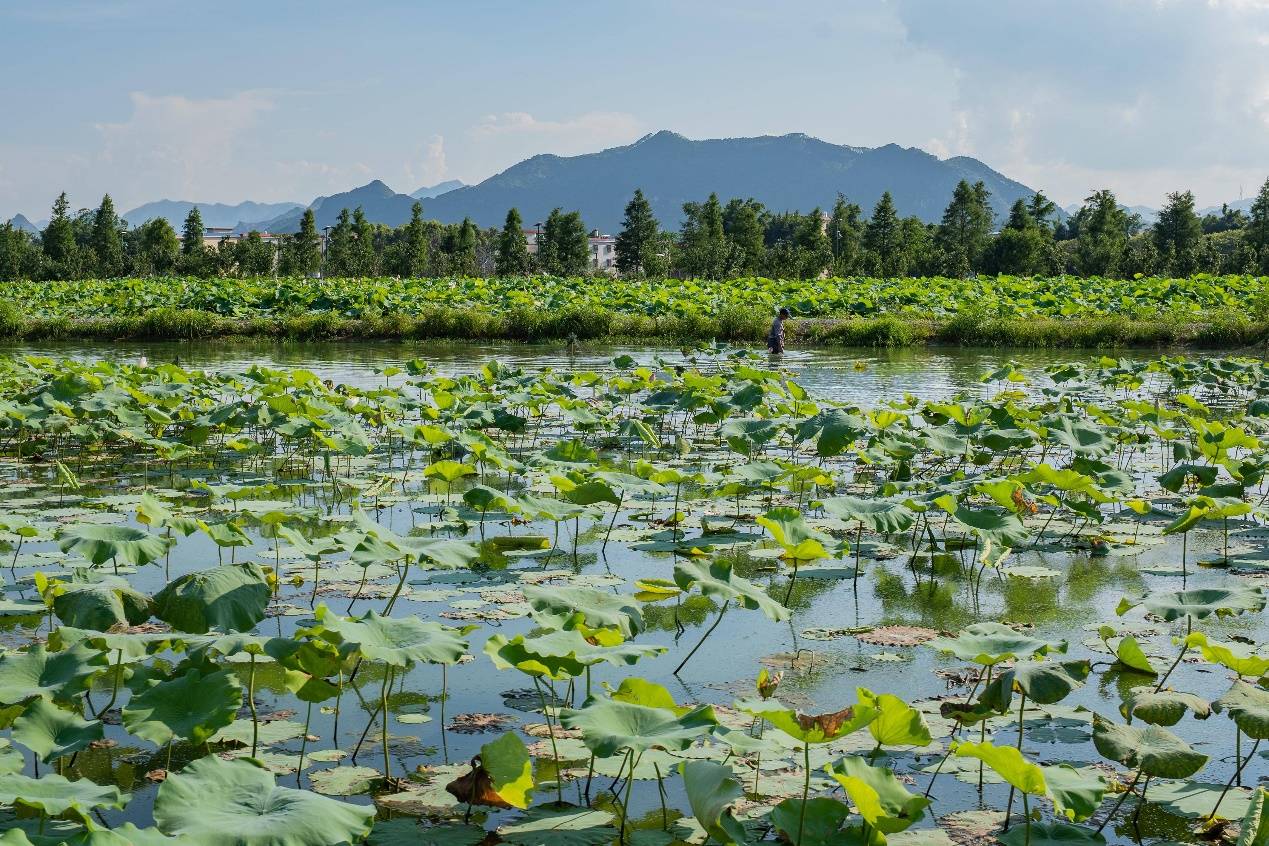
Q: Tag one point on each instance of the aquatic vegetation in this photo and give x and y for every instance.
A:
(1213, 311)
(256, 607)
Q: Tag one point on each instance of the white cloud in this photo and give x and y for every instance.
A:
(184, 144)
(431, 168)
(584, 130)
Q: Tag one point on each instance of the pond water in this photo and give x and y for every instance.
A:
(1061, 588)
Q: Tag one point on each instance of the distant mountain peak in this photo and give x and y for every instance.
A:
(427, 192)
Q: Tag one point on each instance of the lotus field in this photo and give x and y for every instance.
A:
(685, 602)
(1059, 297)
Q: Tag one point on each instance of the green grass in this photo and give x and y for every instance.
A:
(1223, 330)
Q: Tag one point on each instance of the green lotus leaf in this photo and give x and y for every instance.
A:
(562, 654)
(1051, 834)
(510, 769)
(229, 598)
(884, 516)
(813, 728)
(192, 706)
(879, 797)
(50, 731)
(1129, 653)
(837, 430)
(897, 722)
(1156, 751)
(1200, 603)
(820, 825)
(406, 831)
(37, 672)
(1076, 793)
(100, 543)
(1233, 656)
(1164, 707)
(237, 803)
(1248, 706)
(592, 493)
(1254, 830)
(716, 579)
(991, 643)
(1008, 763)
(790, 530)
(55, 795)
(711, 789)
(397, 641)
(1196, 800)
(152, 511)
(559, 825)
(100, 606)
(1043, 682)
(564, 607)
(609, 726)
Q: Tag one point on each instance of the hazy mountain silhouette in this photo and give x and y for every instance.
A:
(428, 192)
(379, 203)
(214, 214)
(785, 172)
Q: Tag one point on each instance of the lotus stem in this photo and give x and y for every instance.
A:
(1184, 648)
(550, 729)
(251, 703)
(1009, 804)
(1237, 773)
(383, 706)
(710, 631)
(1122, 797)
(806, 788)
(620, 498)
(444, 696)
(665, 815)
(308, 715)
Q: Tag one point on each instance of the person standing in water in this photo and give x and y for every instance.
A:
(775, 340)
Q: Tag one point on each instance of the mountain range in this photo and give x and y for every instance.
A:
(785, 172)
(214, 214)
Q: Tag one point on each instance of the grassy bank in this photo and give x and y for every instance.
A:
(1224, 330)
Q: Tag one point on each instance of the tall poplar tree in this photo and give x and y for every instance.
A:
(883, 239)
(638, 241)
(58, 238)
(512, 256)
(107, 243)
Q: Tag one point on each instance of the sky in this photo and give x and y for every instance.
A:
(285, 101)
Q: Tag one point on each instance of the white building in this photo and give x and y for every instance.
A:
(603, 249)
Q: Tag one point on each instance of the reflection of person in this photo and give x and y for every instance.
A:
(775, 340)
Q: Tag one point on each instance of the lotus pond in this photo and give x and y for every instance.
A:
(642, 599)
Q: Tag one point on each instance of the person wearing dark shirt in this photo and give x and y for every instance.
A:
(775, 340)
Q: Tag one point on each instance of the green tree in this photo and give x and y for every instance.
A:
(158, 248)
(1023, 246)
(846, 237)
(883, 239)
(512, 257)
(364, 256)
(302, 253)
(965, 229)
(1256, 233)
(564, 249)
(58, 239)
(14, 245)
(408, 256)
(253, 255)
(194, 258)
(341, 260)
(107, 242)
(466, 239)
(743, 226)
(1042, 211)
(704, 249)
(1178, 234)
(637, 242)
(1103, 229)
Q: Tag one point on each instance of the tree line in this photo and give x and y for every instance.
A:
(716, 240)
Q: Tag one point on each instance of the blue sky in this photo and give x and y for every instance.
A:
(288, 100)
